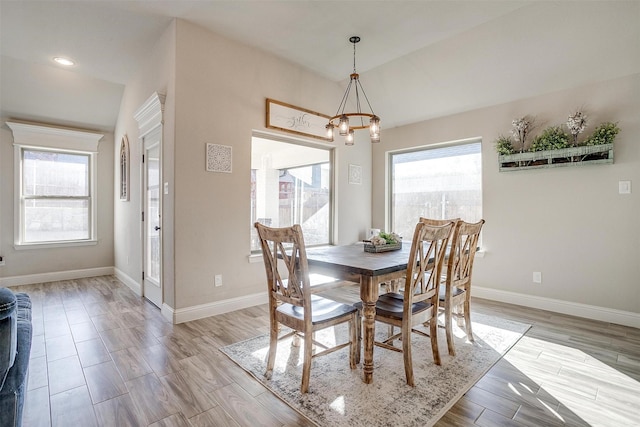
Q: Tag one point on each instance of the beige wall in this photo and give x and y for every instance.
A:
(51, 260)
(215, 93)
(568, 223)
(221, 88)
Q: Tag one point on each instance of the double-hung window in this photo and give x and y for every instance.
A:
(438, 182)
(55, 186)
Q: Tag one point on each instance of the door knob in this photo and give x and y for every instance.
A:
(156, 228)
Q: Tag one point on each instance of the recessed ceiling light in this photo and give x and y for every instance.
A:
(64, 61)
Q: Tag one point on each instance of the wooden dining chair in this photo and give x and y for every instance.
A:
(395, 285)
(455, 289)
(292, 304)
(432, 221)
(418, 304)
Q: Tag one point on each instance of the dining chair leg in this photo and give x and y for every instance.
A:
(467, 320)
(273, 346)
(459, 316)
(295, 341)
(358, 341)
(406, 351)
(306, 364)
(354, 346)
(448, 327)
(433, 333)
(297, 338)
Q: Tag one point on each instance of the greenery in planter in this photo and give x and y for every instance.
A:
(603, 134)
(557, 145)
(504, 145)
(552, 138)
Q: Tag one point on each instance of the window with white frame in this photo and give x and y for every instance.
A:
(55, 196)
(438, 182)
(55, 182)
(291, 184)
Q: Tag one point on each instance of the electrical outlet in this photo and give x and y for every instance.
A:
(217, 281)
(537, 277)
(1, 260)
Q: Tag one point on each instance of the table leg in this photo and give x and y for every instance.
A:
(369, 296)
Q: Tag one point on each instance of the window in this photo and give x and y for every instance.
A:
(435, 182)
(54, 186)
(55, 198)
(291, 184)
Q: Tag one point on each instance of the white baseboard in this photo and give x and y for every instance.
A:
(30, 279)
(168, 313)
(129, 281)
(213, 308)
(603, 314)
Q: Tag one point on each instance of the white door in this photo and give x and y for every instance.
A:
(152, 244)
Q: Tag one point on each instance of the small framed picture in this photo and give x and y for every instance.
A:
(355, 174)
(219, 158)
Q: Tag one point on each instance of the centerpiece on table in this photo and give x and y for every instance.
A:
(383, 242)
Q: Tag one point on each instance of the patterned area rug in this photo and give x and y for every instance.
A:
(338, 397)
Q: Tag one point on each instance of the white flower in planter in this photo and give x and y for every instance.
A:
(576, 124)
(377, 240)
(521, 128)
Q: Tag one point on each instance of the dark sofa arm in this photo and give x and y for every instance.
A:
(13, 389)
(8, 332)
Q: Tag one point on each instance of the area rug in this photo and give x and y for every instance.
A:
(338, 397)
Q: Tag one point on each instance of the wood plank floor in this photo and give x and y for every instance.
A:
(102, 356)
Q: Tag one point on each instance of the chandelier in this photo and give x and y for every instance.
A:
(348, 123)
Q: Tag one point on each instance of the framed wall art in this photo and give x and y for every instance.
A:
(219, 158)
(297, 120)
(355, 174)
(124, 169)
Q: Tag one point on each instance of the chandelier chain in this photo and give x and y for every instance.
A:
(354, 58)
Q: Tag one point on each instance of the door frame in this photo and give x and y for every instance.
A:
(150, 117)
(146, 214)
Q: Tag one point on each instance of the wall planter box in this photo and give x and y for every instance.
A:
(573, 156)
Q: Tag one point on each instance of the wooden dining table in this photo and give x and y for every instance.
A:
(351, 262)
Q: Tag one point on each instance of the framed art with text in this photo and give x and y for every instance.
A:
(297, 120)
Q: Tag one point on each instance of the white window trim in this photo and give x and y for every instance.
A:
(44, 137)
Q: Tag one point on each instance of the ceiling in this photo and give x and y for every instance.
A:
(417, 59)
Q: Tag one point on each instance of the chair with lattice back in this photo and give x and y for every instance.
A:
(455, 291)
(292, 304)
(418, 303)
